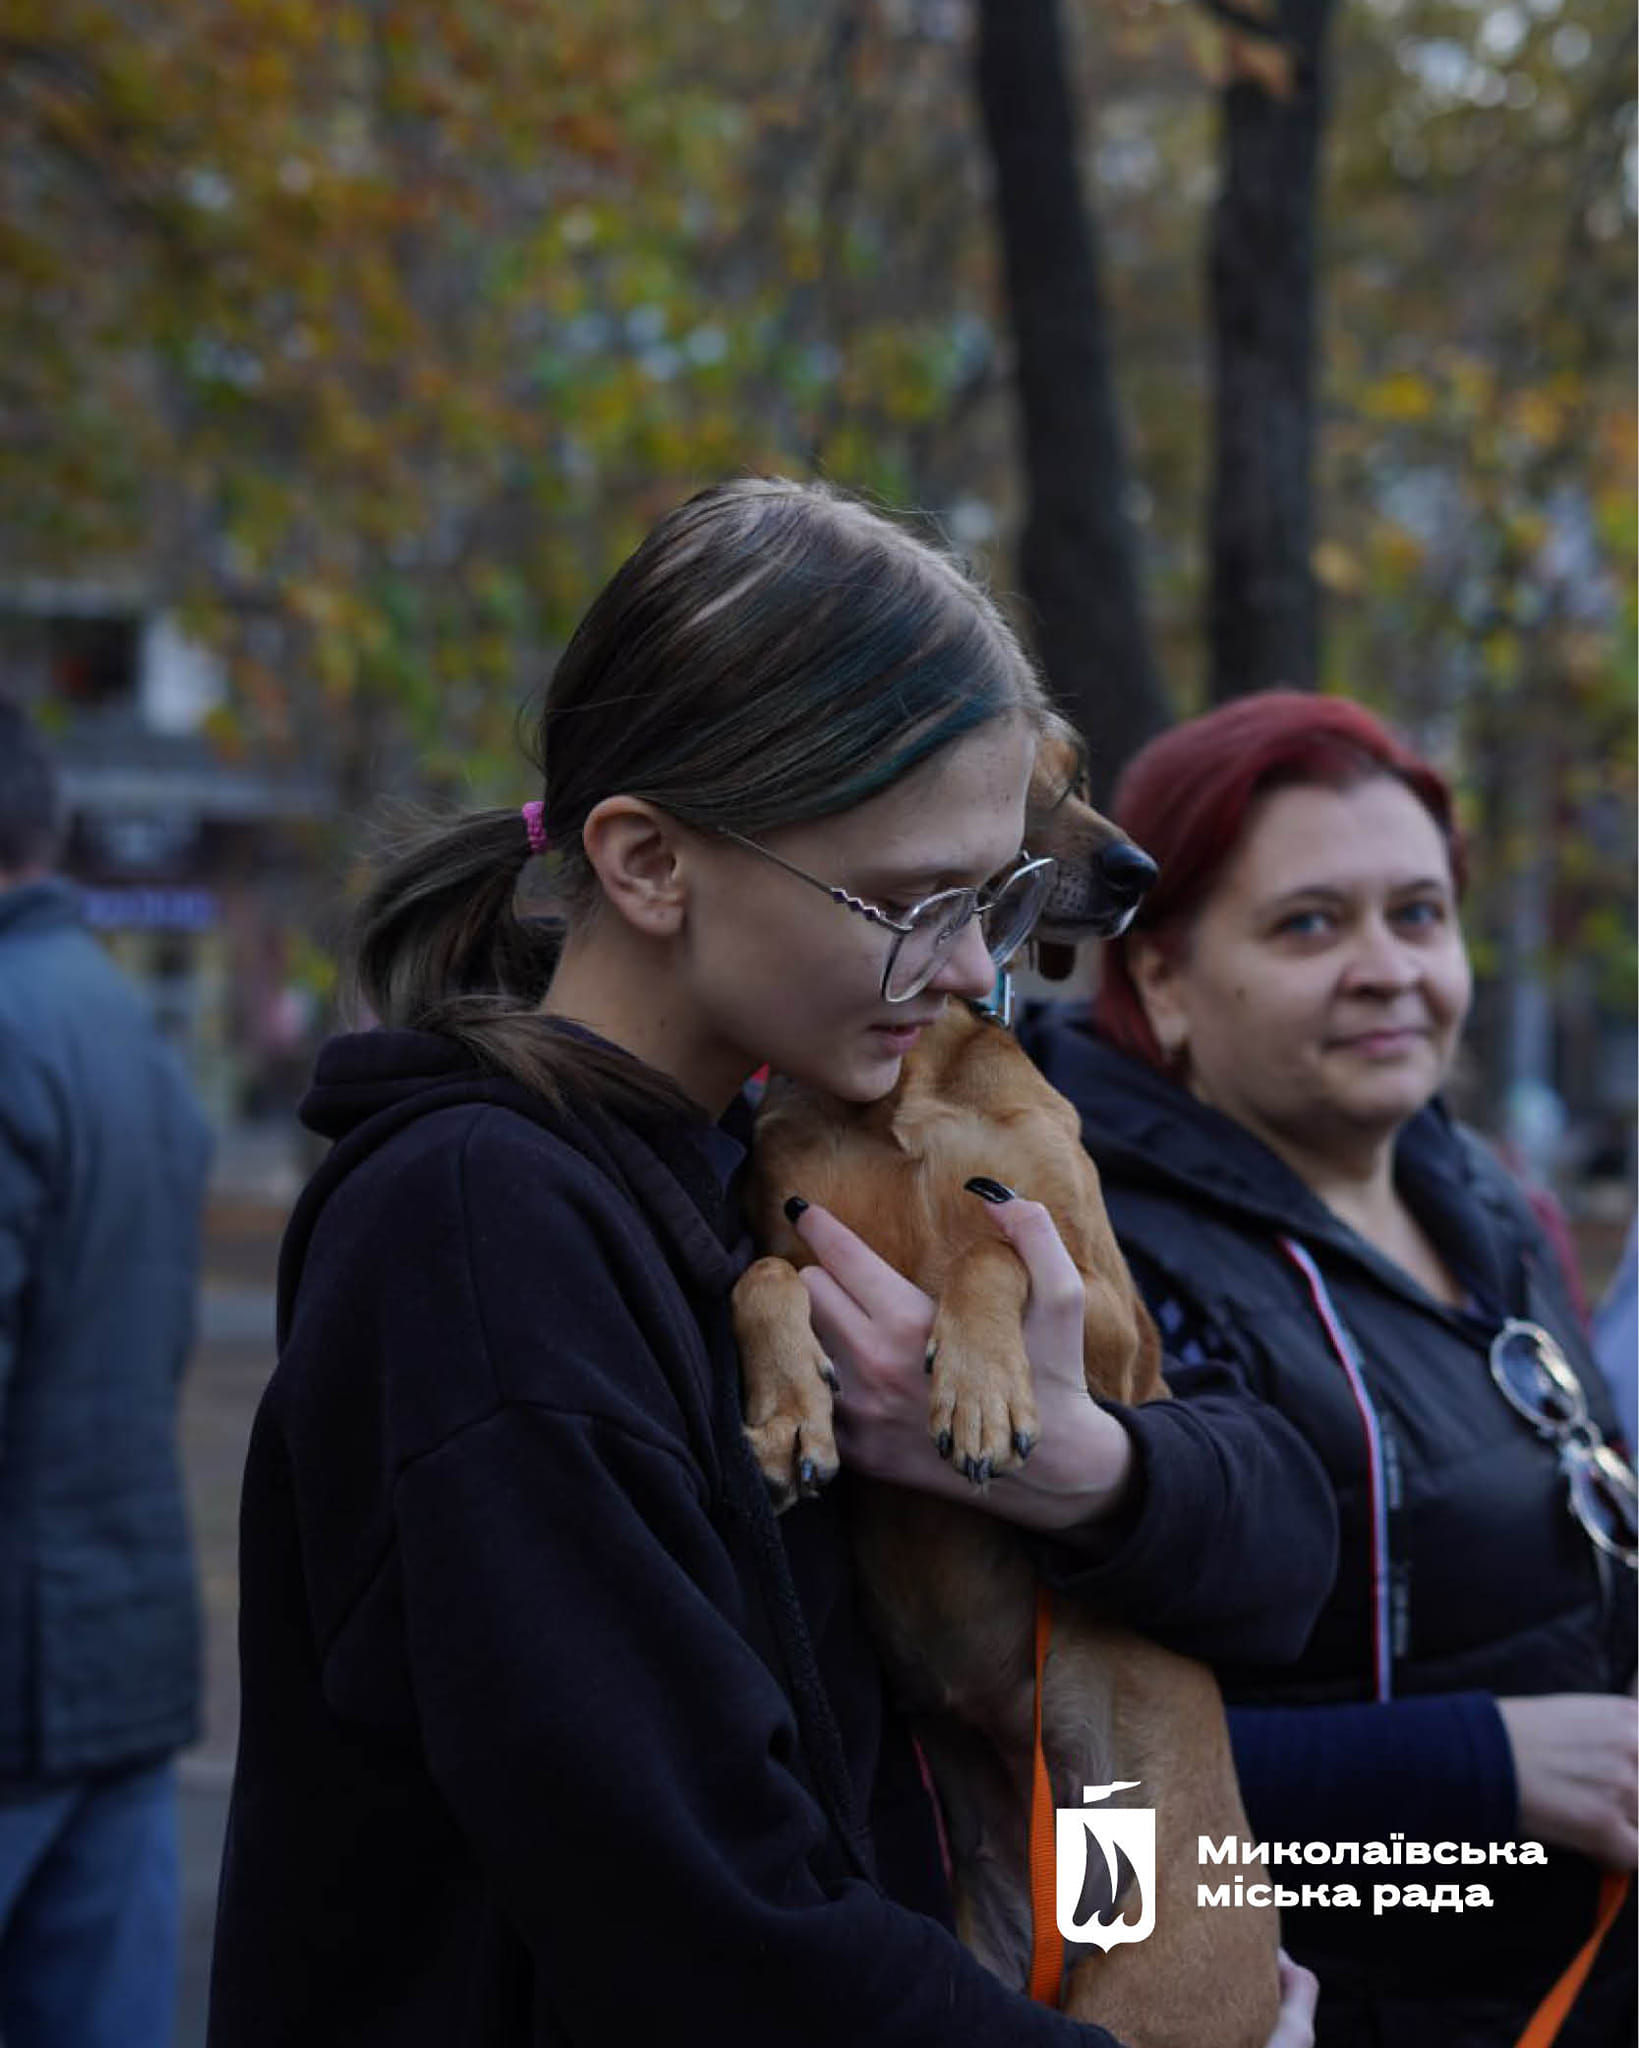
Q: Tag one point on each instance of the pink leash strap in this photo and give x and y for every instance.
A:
(1343, 1348)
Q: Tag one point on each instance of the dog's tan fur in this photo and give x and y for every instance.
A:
(949, 1589)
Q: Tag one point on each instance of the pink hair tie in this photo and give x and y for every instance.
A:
(535, 825)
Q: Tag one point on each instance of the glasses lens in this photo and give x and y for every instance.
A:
(934, 929)
(1605, 1499)
(1010, 917)
(1532, 1371)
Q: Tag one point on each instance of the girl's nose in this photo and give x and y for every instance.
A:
(967, 969)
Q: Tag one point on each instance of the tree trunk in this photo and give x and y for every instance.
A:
(1262, 626)
(1078, 554)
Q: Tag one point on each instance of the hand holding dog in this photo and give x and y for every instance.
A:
(875, 1325)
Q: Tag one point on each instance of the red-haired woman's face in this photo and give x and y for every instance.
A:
(1319, 993)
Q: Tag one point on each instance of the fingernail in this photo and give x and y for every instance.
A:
(990, 1190)
(794, 1208)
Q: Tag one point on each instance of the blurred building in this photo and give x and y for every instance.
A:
(195, 866)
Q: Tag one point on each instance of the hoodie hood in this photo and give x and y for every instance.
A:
(1144, 1131)
(369, 1084)
(365, 1072)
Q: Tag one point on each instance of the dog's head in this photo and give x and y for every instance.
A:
(1102, 876)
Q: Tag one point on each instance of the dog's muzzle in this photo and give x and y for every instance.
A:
(1097, 898)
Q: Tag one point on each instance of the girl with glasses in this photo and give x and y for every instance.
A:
(550, 1732)
(1259, 1084)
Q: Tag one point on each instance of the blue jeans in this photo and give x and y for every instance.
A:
(90, 1914)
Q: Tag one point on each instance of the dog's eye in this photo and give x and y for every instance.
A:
(1060, 797)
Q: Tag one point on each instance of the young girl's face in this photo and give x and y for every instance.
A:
(775, 973)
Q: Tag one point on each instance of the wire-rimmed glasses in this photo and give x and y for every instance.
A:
(924, 935)
(1535, 1378)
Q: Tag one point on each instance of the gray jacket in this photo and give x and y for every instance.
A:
(103, 1160)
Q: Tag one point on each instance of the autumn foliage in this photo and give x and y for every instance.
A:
(372, 331)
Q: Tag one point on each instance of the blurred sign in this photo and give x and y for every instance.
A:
(153, 910)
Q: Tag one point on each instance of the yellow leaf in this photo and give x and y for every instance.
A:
(1538, 417)
(1401, 398)
(1337, 569)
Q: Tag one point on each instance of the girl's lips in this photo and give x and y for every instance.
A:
(901, 1037)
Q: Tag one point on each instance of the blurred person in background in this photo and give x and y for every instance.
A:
(103, 1161)
(1259, 1085)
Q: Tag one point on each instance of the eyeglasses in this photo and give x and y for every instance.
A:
(1535, 1378)
(925, 934)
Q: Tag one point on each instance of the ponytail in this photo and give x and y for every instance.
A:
(438, 922)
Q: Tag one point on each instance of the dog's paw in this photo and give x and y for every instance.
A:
(788, 1425)
(981, 1413)
(788, 1382)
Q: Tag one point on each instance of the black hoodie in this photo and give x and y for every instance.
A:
(550, 1732)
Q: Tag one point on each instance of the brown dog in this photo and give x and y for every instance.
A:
(949, 1590)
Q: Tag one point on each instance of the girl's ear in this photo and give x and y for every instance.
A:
(633, 848)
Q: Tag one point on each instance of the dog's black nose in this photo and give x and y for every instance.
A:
(1128, 870)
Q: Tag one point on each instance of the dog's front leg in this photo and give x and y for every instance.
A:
(788, 1381)
(982, 1405)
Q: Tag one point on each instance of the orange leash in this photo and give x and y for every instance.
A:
(1549, 2016)
(1047, 1944)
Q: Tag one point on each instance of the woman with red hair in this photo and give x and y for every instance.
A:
(1259, 1084)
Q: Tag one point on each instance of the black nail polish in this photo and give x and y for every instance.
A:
(794, 1208)
(990, 1190)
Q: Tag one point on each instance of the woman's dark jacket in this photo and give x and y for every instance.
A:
(1495, 1589)
(550, 1732)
